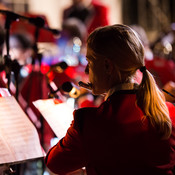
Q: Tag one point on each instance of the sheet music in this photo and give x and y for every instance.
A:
(59, 116)
(19, 140)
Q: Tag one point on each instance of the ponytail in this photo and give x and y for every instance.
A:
(151, 100)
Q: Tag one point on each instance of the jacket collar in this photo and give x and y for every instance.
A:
(123, 87)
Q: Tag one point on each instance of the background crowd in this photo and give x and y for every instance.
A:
(35, 66)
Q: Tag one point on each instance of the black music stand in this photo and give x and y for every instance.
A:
(8, 63)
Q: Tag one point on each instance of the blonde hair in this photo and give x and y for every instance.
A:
(122, 45)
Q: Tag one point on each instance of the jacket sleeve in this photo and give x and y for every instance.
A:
(67, 155)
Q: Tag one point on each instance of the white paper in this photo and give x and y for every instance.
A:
(19, 140)
(59, 116)
(4, 92)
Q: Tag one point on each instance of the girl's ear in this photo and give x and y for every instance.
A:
(109, 66)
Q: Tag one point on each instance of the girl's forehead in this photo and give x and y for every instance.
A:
(89, 53)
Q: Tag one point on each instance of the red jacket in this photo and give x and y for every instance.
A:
(114, 139)
(100, 17)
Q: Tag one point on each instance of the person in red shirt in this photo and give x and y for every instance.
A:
(91, 12)
(133, 130)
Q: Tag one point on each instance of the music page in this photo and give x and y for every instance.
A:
(19, 140)
(59, 116)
